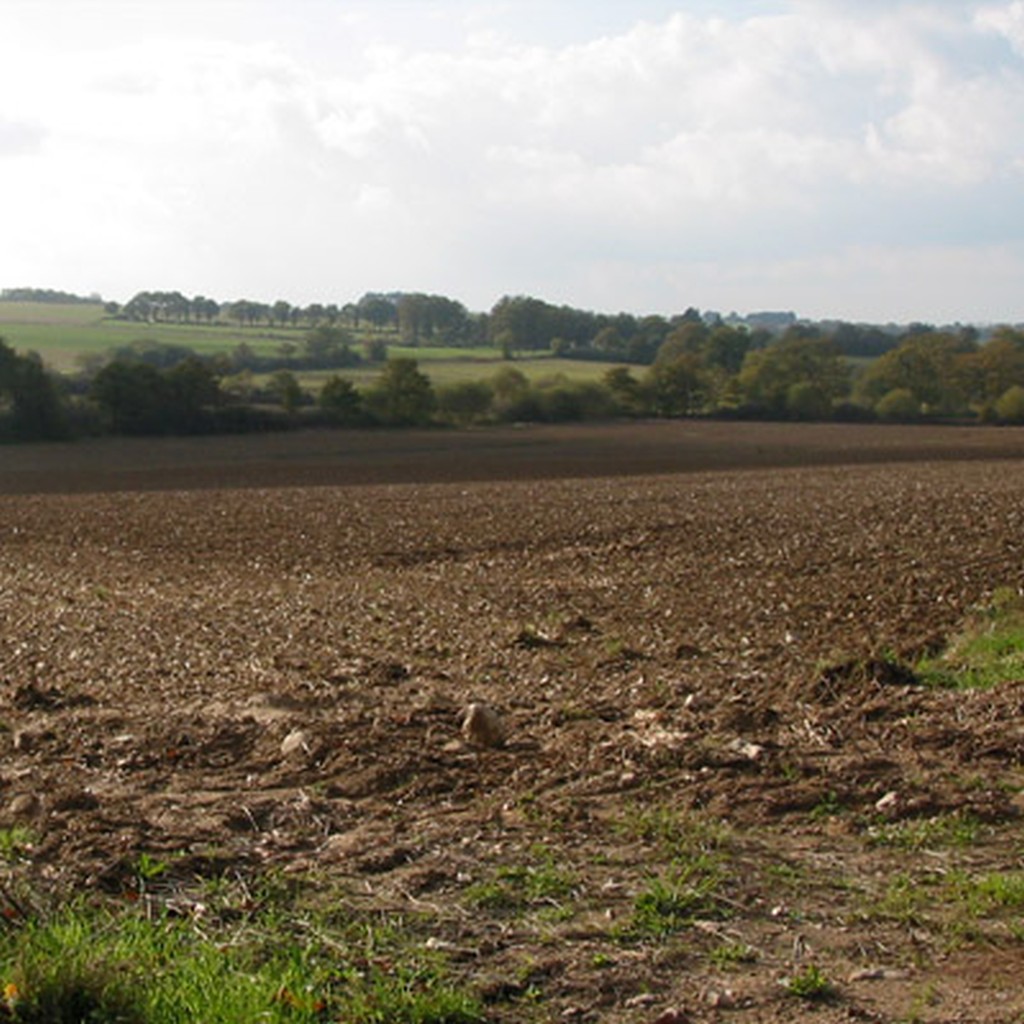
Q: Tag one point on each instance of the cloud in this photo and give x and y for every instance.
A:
(451, 150)
(18, 137)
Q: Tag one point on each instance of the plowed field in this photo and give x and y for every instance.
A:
(715, 776)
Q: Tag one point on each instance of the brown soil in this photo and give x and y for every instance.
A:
(689, 663)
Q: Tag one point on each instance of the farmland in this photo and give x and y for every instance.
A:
(63, 334)
(727, 790)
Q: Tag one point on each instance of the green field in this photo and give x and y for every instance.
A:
(62, 334)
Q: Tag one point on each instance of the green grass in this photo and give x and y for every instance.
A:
(283, 964)
(988, 650)
(62, 334)
(944, 831)
(517, 888)
(730, 955)
(671, 902)
(956, 906)
(812, 984)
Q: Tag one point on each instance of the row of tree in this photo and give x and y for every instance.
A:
(417, 318)
(698, 370)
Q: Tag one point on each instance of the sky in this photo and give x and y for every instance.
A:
(851, 159)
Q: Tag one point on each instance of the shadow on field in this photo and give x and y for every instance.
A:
(534, 452)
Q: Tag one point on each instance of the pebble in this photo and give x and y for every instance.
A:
(296, 742)
(26, 805)
(482, 726)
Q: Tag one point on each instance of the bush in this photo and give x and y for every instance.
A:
(465, 402)
(897, 405)
(341, 402)
(806, 400)
(1009, 407)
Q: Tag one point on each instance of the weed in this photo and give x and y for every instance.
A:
(15, 843)
(672, 902)
(988, 650)
(731, 954)
(679, 835)
(941, 832)
(827, 807)
(812, 984)
(903, 901)
(516, 888)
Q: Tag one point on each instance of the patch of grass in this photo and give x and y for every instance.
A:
(279, 965)
(811, 984)
(827, 807)
(945, 831)
(730, 955)
(903, 901)
(517, 888)
(671, 902)
(678, 835)
(15, 843)
(957, 906)
(987, 651)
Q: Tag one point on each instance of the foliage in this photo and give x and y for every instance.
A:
(698, 365)
(989, 649)
(402, 396)
(465, 402)
(1009, 408)
(768, 375)
(341, 401)
(672, 902)
(933, 366)
(810, 983)
(137, 398)
(91, 965)
(898, 405)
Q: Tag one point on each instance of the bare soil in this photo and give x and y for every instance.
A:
(228, 655)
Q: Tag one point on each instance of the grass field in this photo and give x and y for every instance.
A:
(63, 334)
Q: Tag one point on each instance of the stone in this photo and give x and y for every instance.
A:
(26, 806)
(296, 742)
(482, 726)
(888, 802)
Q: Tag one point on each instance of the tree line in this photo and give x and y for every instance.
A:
(692, 364)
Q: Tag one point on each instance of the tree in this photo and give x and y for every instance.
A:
(133, 398)
(806, 400)
(377, 310)
(287, 391)
(677, 382)
(1010, 405)
(625, 390)
(995, 366)
(465, 402)
(36, 411)
(934, 366)
(402, 395)
(341, 401)
(280, 313)
(767, 374)
(898, 405)
(326, 346)
(194, 389)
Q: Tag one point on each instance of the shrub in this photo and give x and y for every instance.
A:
(1009, 407)
(806, 400)
(899, 404)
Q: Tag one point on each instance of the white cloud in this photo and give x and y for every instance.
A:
(452, 149)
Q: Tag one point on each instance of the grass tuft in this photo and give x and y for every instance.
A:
(987, 651)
